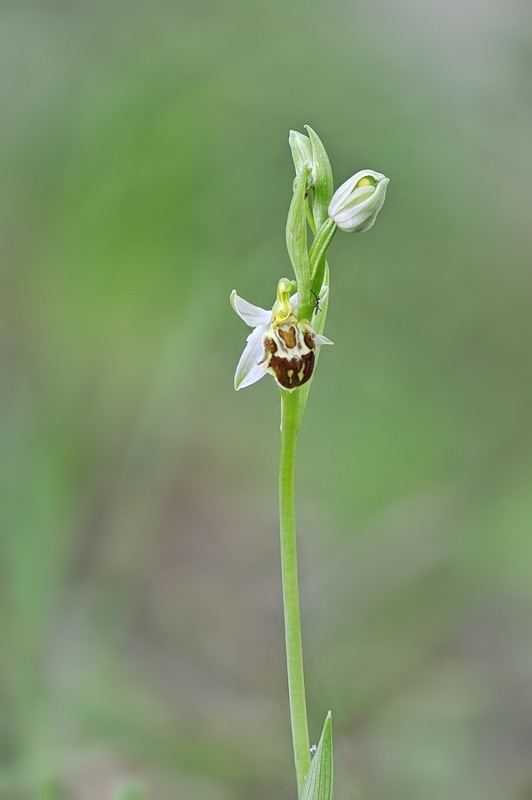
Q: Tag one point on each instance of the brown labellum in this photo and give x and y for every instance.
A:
(289, 355)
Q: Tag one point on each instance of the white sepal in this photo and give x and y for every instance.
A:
(248, 369)
(324, 291)
(294, 300)
(319, 338)
(252, 315)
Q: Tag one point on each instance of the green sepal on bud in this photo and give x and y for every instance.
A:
(308, 153)
(356, 204)
(296, 235)
(319, 781)
(302, 155)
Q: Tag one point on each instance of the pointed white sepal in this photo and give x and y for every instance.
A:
(248, 369)
(320, 339)
(252, 315)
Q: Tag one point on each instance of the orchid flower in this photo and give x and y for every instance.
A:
(279, 343)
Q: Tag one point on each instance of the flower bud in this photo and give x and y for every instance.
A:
(355, 205)
(301, 148)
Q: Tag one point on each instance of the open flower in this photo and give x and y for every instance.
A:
(279, 343)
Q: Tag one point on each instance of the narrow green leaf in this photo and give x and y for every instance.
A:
(319, 782)
(323, 189)
(296, 237)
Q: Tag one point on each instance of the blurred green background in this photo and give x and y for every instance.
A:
(144, 173)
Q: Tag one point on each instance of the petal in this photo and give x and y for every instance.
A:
(248, 369)
(252, 315)
(294, 300)
(320, 339)
(324, 291)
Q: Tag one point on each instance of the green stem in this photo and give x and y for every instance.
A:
(310, 219)
(319, 246)
(290, 418)
(317, 262)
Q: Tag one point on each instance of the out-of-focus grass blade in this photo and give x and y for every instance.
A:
(319, 782)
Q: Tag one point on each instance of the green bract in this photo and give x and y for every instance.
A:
(302, 155)
(323, 179)
(319, 781)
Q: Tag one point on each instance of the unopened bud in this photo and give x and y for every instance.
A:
(355, 205)
(301, 148)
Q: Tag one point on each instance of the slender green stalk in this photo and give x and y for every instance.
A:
(310, 219)
(319, 247)
(290, 418)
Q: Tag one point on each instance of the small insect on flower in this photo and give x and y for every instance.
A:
(317, 307)
(280, 344)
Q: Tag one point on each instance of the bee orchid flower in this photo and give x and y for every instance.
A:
(280, 343)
